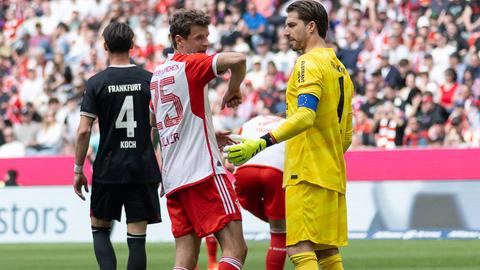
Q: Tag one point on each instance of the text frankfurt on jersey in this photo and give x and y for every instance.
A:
(124, 88)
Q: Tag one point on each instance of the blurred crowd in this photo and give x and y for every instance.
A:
(415, 65)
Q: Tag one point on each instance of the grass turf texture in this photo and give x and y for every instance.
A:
(361, 254)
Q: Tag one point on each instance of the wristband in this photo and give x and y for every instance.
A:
(269, 139)
(78, 169)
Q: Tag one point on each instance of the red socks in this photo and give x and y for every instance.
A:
(212, 244)
(229, 263)
(276, 252)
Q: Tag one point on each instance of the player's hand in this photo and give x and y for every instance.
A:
(78, 181)
(240, 153)
(232, 99)
(223, 139)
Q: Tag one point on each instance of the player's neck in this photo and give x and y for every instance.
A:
(118, 59)
(181, 51)
(315, 42)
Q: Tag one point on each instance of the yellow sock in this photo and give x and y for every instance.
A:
(333, 262)
(305, 261)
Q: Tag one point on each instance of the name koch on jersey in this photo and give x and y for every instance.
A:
(274, 155)
(182, 111)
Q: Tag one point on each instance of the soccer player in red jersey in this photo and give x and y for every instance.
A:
(259, 187)
(200, 199)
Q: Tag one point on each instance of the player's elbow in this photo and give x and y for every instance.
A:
(239, 59)
(307, 118)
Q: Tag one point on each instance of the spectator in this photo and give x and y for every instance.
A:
(32, 87)
(363, 128)
(413, 135)
(441, 52)
(368, 59)
(390, 74)
(430, 113)
(371, 100)
(449, 88)
(285, 58)
(459, 67)
(264, 53)
(396, 50)
(389, 126)
(45, 56)
(474, 65)
(471, 17)
(278, 77)
(49, 139)
(27, 129)
(417, 57)
(349, 54)
(254, 24)
(456, 39)
(256, 76)
(457, 132)
(12, 148)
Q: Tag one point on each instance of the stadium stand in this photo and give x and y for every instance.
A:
(415, 65)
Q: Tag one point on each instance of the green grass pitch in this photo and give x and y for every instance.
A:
(361, 254)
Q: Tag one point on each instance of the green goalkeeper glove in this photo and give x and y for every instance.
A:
(240, 153)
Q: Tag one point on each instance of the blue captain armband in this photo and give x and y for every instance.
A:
(308, 101)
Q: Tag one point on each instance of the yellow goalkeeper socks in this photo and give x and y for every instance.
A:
(333, 262)
(305, 261)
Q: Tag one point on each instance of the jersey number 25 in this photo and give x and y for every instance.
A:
(166, 98)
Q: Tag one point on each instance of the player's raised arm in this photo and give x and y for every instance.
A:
(236, 62)
(299, 122)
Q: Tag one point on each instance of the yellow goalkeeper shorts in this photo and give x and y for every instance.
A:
(315, 214)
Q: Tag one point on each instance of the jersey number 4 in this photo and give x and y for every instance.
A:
(130, 124)
(166, 98)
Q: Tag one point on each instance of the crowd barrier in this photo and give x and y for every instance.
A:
(404, 194)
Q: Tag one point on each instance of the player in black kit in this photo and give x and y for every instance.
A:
(125, 171)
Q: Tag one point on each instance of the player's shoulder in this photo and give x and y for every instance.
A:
(98, 77)
(190, 57)
(309, 60)
(141, 72)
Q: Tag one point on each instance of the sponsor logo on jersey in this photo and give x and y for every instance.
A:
(301, 74)
(166, 69)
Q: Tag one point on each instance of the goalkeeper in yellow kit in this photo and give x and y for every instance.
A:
(318, 131)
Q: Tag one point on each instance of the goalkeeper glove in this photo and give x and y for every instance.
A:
(241, 153)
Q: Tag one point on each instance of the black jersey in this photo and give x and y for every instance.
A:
(119, 97)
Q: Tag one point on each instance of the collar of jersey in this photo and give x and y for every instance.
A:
(122, 66)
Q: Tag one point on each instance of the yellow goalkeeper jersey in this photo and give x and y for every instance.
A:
(316, 155)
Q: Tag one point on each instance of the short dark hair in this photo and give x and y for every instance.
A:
(183, 20)
(118, 36)
(308, 11)
(451, 72)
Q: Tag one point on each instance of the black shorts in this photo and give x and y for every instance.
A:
(141, 202)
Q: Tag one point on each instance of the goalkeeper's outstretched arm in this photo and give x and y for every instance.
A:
(299, 122)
